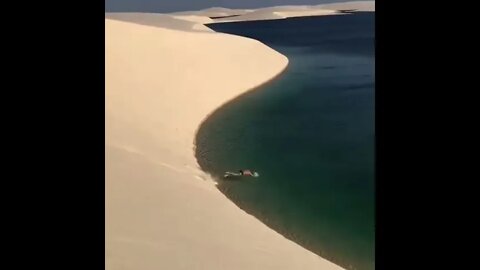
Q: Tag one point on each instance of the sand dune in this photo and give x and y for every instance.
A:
(253, 16)
(214, 12)
(194, 18)
(356, 5)
(283, 12)
(182, 23)
(279, 12)
(163, 77)
(273, 14)
(183, 20)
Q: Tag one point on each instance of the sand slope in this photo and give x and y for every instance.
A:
(278, 12)
(214, 12)
(283, 12)
(162, 211)
(355, 5)
(180, 22)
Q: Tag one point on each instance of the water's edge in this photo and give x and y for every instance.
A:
(210, 139)
(199, 140)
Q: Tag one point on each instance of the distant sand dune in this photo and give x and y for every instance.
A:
(182, 23)
(283, 12)
(275, 13)
(357, 5)
(214, 12)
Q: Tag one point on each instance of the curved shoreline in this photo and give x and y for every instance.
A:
(234, 99)
(157, 212)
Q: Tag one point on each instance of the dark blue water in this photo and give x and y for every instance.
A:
(310, 134)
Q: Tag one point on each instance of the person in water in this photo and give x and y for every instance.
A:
(242, 173)
(246, 172)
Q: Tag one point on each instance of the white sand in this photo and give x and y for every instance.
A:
(275, 13)
(164, 75)
(283, 12)
(214, 12)
(176, 22)
(356, 5)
